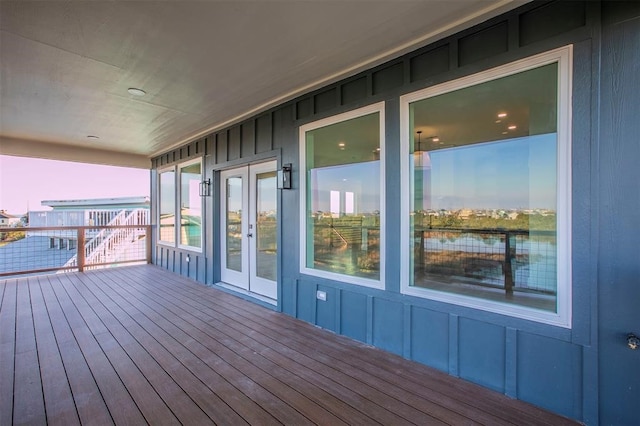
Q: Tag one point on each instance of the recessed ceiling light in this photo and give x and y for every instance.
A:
(378, 149)
(93, 137)
(341, 144)
(502, 115)
(504, 133)
(498, 121)
(136, 92)
(512, 127)
(435, 139)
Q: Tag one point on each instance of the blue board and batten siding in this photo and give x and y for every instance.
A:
(569, 371)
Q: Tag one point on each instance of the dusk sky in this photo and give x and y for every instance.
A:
(25, 182)
(508, 174)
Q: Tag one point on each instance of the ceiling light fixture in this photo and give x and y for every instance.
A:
(136, 92)
(512, 127)
(502, 115)
(435, 139)
(341, 144)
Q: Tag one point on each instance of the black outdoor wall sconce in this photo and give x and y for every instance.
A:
(204, 187)
(284, 176)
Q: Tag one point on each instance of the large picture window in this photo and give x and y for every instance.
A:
(342, 230)
(180, 197)
(488, 171)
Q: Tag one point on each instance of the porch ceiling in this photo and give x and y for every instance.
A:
(65, 66)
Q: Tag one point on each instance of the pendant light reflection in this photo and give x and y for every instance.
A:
(421, 158)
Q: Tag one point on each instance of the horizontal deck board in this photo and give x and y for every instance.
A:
(140, 345)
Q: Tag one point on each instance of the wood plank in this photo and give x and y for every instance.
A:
(377, 362)
(153, 408)
(182, 342)
(252, 363)
(209, 403)
(28, 402)
(350, 395)
(384, 406)
(58, 399)
(162, 349)
(88, 399)
(407, 391)
(463, 394)
(7, 349)
(121, 405)
(216, 344)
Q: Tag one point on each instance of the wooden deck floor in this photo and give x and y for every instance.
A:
(140, 345)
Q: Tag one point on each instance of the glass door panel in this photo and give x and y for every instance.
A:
(249, 228)
(266, 226)
(234, 224)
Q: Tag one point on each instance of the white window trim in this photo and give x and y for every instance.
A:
(179, 210)
(158, 211)
(176, 206)
(366, 282)
(563, 318)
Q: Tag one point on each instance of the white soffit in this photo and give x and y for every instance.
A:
(65, 66)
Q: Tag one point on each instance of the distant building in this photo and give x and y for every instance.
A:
(7, 220)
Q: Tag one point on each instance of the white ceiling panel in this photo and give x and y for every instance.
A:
(65, 66)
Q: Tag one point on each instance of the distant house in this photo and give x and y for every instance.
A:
(7, 220)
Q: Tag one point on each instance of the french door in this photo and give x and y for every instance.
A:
(249, 219)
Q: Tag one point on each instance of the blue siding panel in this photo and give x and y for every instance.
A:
(430, 338)
(388, 325)
(549, 374)
(326, 309)
(306, 301)
(481, 348)
(353, 315)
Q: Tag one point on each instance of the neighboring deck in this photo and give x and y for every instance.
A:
(138, 345)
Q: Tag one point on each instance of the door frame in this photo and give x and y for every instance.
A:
(241, 282)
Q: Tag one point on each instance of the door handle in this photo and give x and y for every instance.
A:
(632, 341)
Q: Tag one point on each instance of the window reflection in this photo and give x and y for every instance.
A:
(167, 206)
(343, 197)
(190, 205)
(484, 190)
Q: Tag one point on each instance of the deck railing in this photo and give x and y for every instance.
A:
(514, 259)
(37, 250)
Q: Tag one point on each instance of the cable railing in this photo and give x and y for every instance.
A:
(511, 259)
(38, 250)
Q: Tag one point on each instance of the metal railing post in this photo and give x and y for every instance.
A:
(509, 253)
